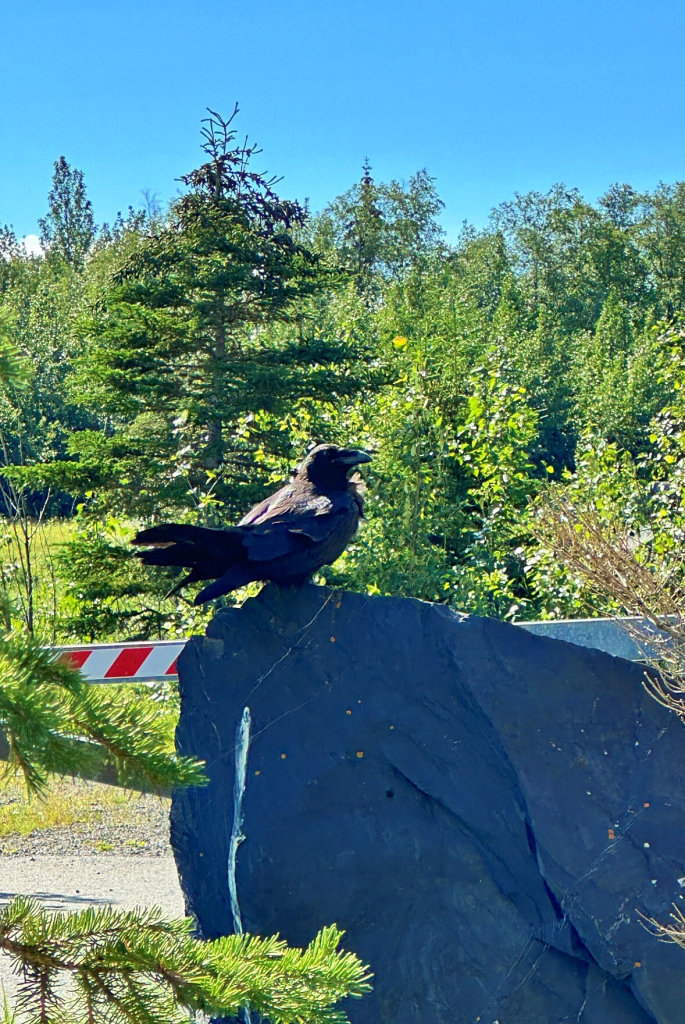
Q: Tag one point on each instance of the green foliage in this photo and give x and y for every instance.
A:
(495, 445)
(203, 353)
(106, 591)
(448, 493)
(379, 232)
(606, 480)
(14, 368)
(134, 966)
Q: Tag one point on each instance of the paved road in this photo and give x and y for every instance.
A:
(72, 883)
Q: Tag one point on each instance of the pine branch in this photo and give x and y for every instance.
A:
(134, 967)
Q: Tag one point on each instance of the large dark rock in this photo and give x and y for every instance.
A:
(485, 812)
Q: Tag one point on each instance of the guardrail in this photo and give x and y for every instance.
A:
(146, 661)
(116, 663)
(613, 636)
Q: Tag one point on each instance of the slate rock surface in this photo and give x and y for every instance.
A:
(485, 812)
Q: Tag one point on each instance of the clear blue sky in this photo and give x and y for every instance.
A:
(490, 97)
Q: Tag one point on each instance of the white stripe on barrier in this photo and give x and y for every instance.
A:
(157, 663)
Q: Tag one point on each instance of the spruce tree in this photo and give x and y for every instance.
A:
(201, 348)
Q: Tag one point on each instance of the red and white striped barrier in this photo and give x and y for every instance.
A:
(117, 663)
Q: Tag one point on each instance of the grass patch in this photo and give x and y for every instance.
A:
(69, 802)
(48, 591)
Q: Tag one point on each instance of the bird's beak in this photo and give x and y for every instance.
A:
(352, 457)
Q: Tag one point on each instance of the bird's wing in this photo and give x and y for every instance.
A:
(290, 521)
(288, 503)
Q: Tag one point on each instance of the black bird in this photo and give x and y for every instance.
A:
(306, 524)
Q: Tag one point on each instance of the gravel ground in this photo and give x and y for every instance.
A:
(72, 883)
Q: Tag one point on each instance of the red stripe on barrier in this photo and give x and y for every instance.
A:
(74, 659)
(127, 663)
(172, 670)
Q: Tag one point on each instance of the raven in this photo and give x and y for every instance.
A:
(306, 524)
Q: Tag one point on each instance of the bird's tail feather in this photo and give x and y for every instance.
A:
(207, 553)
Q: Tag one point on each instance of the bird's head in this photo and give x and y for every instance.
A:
(327, 466)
